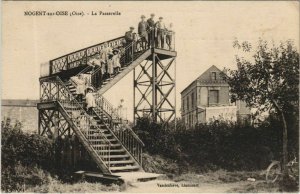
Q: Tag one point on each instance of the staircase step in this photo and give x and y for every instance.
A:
(117, 156)
(120, 162)
(100, 117)
(105, 132)
(123, 168)
(108, 136)
(96, 132)
(111, 145)
(96, 142)
(112, 150)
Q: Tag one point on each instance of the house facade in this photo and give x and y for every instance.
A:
(207, 99)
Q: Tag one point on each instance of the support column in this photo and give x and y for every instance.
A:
(134, 108)
(154, 93)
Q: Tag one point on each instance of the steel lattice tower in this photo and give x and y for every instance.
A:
(154, 87)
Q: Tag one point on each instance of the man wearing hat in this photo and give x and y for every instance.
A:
(161, 29)
(129, 37)
(142, 30)
(151, 26)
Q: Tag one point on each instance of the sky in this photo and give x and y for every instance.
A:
(204, 35)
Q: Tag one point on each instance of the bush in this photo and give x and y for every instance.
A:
(23, 158)
(159, 164)
(19, 178)
(28, 149)
(223, 145)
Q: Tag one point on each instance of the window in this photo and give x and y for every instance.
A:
(193, 100)
(213, 96)
(187, 103)
(214, 75)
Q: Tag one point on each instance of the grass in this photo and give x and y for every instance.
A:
(220, 176)
(55, 186)
(257, 187)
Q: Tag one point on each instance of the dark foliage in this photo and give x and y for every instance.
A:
(28, 149)
(23, 158)
(217, 145)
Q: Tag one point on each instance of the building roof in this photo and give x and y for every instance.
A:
(206, 77)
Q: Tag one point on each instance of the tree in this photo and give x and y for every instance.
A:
(268, 81)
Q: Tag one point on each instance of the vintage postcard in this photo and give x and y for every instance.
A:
(150, 96)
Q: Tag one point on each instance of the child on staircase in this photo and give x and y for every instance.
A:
(90, 100)
(116, 61)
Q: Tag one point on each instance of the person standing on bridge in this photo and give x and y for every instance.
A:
(161, 29)
(129, 37)
(142, 30)
(151, 29)
(169, 36)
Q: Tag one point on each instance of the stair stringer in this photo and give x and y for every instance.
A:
(128, 69)
(127, 152)
(83, 140)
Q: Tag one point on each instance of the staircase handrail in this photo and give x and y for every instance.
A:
(134, 134)
(77, 103)
(65, 61)
(108, 104)
(66, 100)
(110, 114)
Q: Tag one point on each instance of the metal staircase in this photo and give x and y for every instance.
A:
(99, 139)
(109, 141)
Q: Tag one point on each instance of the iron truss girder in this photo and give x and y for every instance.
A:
(154, 83)
(52, 124)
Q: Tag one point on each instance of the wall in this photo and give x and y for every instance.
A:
(226, 113)
(224, 96)
(27, 115)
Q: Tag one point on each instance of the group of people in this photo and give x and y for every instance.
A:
(151, 33)
(106, 63)
(103, 65)
(83, 88)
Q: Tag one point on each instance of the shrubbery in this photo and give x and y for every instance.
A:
(215, 145)
(23, 158)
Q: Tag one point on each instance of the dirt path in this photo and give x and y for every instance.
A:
(181, 187)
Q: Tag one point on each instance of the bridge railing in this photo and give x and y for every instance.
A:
(80, 57)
